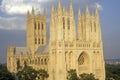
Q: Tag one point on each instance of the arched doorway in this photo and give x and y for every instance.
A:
(18, 64)
(83, 63)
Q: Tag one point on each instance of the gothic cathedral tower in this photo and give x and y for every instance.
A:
(62, 30)
(36, 30)
(85, 53)
(66, 49)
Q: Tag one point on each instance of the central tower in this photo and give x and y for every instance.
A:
(36, 30)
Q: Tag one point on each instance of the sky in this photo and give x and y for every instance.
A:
(13, 22)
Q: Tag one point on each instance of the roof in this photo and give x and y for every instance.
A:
(43, 49)
(22, 50)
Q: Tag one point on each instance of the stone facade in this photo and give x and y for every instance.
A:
(65, 50)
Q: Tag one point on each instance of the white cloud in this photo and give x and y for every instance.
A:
(98, 6)
(12, 7)
(16, 7)
(12, 23)
(20, 6)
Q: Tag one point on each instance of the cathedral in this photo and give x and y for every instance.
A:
(67, 48)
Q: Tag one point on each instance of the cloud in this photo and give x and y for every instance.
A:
(12, 23)
(98, 6)
(20, 6)
(16, 10)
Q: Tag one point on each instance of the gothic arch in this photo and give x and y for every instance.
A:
(42, 62)
(35, 61)
(45, 61)
(83, 59)
(38, 60)
(83, 63)
(18, 64)
(25, 63)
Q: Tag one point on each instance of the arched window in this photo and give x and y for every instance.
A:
(35, 61)
(25, 63)
(83, 59)
(68, 23)
(91, 27)
(94, 27)
(38, 26)
(63, 23)
(42, 41)
(35, 26)
(42, 26)
(18, 64)
(39, 41)
(83, 63)
(41, 61)
(45, 61)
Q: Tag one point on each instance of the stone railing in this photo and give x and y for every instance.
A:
(77, 45)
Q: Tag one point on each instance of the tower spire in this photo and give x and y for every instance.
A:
(32, 10)
(79, 13)
(97, 12)
(53, 8)
(71, 8)
(59, 7)
(87, 11)
(52, 12)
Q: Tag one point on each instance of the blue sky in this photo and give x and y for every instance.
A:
(13, 22)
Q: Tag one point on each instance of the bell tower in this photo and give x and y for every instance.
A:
(36, 30)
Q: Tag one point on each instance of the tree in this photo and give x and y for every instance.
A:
(27, 73)
(86, 76)
(5, 74)
(112, 72)
(42, 74)
(72, 75)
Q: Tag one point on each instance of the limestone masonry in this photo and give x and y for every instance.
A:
(65, 49)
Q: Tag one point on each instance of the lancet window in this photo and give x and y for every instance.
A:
(42, 26)
(38, 26)
(68, 23)
(63, 23)
(35, 26)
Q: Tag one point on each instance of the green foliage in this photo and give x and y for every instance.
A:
(42, 74)
(72, 75)
(5, 74)
(85, 76)
(112, 72)
(28, 73)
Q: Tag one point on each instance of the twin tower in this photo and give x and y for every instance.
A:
(88, 26)
(67, 50)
